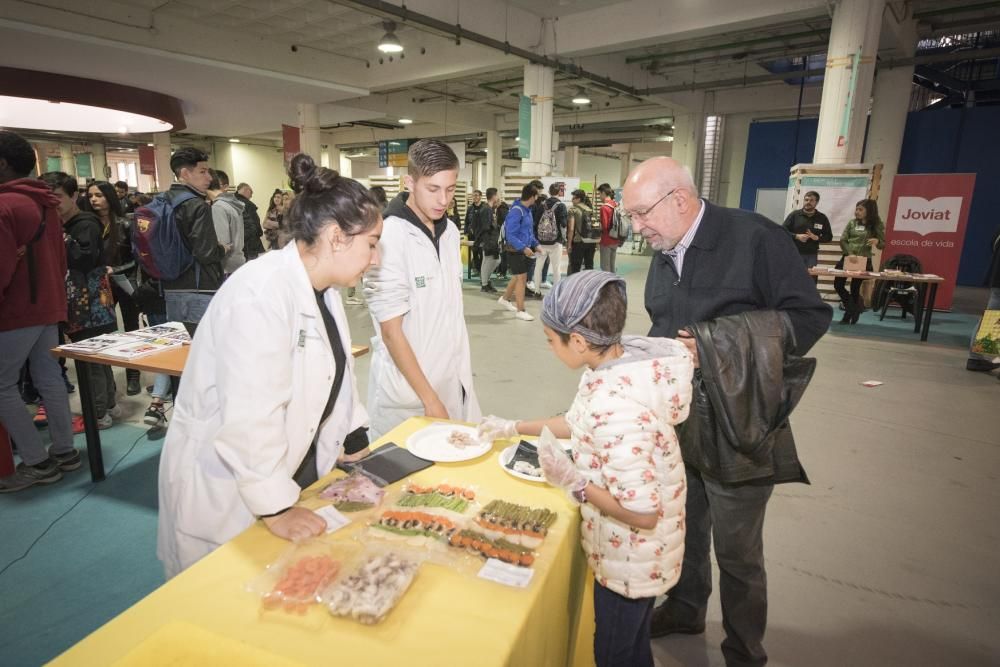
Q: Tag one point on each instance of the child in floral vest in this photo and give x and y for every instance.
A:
(626, 469)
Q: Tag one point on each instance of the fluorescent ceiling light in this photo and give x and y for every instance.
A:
(234, 140)
(150, 145)
(389, 42)
(29, 113)
(405, 121)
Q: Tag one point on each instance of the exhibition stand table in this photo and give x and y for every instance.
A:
(448, 616)
(927, 287)
(170, 362)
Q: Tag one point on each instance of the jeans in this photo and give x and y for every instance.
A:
(994, 304)
(608, 254)
(161, 381)
(554, 253)
(581, 256)
(732, 516)
(489, 265)
(187, 307)
(33, 344)
(621, 636)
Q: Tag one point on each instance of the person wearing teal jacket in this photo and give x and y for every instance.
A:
(861, 236)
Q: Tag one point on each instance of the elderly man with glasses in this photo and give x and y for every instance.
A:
(710, 262)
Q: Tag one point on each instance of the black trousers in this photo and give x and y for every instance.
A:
(581, 256)
(852, 302)
(733, 518)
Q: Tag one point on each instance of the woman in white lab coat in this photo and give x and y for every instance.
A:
(256, 419)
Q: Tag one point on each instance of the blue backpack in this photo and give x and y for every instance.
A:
(156, 241)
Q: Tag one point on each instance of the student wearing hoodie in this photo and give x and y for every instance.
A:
(32, 303)
(626, 470)
(421, 364)
(583, 234)
(227, 216)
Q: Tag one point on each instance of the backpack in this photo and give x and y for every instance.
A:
(548, 228)
(617, 229)
(28, 252)
(590, 226)
(156, 242)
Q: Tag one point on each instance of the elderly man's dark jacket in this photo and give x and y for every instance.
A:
(738, 261)
(748, 382)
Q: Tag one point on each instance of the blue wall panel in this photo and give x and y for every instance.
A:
(770, 147)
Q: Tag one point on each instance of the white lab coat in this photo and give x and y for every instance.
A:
(426, 290)
(255, 385)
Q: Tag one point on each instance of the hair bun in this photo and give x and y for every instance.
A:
(305, 176)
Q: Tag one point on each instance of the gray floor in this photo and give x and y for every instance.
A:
(889, 557)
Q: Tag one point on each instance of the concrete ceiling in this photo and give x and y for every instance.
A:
(241, 66)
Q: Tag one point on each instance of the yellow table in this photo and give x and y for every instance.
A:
(204, 615)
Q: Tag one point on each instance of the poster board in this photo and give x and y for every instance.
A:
(840, 187)
(927, 217)
(771, 203)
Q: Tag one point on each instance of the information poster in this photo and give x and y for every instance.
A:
(838, 195)
(927, 219)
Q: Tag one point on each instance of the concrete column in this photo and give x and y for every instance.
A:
(161, 149)
(625, 167)
(333, 156)
(847, 86)
(100, 160)
(68, 164)
(538, 85)
(572, 161)
(494, 158)
(689, 133)
(734, 157)
(42, 152)
(890, 105)
(345, 166)
(309, 130)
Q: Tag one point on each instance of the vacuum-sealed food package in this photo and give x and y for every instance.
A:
(370, 592)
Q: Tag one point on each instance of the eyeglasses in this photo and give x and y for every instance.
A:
(642, 215)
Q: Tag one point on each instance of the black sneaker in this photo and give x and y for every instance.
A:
(489, 289)
(132, 388)
(67, 461)
(46, 472)
(980, 366)
(155, 416)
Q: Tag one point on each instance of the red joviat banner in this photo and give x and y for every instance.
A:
(147, 160)
(927, 218)
(290, 139)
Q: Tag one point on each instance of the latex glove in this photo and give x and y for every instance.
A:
(296, 524)
(559, 469)
(495, 428)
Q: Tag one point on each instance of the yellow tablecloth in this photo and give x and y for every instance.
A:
(446, 618)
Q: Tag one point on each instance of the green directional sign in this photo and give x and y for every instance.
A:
(524, 127)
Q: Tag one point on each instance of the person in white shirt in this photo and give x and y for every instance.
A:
(269, 401)
(421, 364)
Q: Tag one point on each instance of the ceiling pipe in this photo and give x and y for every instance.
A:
(956, 10)
(821, 32)
(970, 54)
(385, 9)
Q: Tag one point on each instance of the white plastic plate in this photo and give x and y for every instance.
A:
(431, 443)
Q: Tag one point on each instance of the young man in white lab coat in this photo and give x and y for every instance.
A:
(421, 363)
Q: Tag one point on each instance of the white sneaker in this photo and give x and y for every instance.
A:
(531, 285)
(507, 304)
(524, 315)
(547, 285)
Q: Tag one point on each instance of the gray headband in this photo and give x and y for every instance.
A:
(572, 298)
